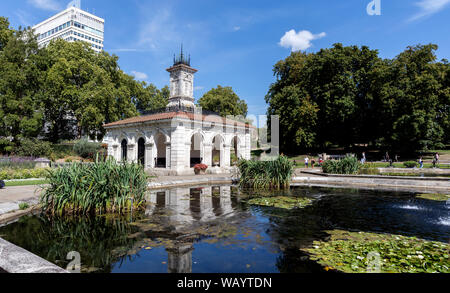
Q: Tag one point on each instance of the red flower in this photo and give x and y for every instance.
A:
(200, 167)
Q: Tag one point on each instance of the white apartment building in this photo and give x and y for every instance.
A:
(72, 24)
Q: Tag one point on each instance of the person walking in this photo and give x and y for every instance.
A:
(363, 159)
(421, 162)
(306, 162)
(313, 162)
(436, 158)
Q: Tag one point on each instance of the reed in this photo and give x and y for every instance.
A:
(101, 187)
(348, 165)
(276, 174)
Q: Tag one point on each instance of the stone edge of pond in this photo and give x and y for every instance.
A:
(190, 182)
(397, 183)
(10, 217)
(14, 259)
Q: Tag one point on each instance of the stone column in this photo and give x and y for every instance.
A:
(149, 162)
(178, 152)
(207, 159)
(225, 156)
(115, 153)
(246, 153)
(131, 153)
(168, 155)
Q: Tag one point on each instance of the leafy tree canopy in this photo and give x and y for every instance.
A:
(348, 95)
(224, 101)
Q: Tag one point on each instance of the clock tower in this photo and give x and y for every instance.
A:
(181, 82)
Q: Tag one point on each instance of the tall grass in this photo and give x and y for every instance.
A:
(101, 187)
(348, 165)
(275, 174)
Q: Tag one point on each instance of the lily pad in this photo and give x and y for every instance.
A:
(283, 202)
(362, 252)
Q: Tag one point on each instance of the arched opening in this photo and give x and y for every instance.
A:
(234, 151)
(196, 153)
(141, 151)
(217, 144)
(161, 151)
(124, 147)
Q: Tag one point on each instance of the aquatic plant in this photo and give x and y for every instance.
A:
(283, 202)
(347, 165)
(435, 196)
(94, 188)
(361, 252)
(274, 174)
(23, 205)
(369, 169)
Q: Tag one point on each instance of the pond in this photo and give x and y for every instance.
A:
(212, 229)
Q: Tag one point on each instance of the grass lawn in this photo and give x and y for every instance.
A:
(25, 183)
(400, 165)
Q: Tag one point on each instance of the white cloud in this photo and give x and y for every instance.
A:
(198, 88)
(46, 4)
(139, 75)
(299, 41)
(236, 28)
(429, 7)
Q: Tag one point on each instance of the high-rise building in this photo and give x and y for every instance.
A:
(72, 24)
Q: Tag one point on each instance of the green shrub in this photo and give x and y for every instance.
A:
(33, 148)
(348, 165)
(275, 174)
(23, 206)
(103, 186)
(11, 174)
(87, 149)
(410, 164)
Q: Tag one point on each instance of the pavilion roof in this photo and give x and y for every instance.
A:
(171, 115)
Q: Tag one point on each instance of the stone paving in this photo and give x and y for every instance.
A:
(11, 197)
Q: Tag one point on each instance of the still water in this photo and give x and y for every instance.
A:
(212, 229)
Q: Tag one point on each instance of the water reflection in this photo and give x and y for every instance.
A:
(211, 229)
(178, 210)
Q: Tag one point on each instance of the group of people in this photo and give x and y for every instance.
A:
(435, 161)
(313, 162)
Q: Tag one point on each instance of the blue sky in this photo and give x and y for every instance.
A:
(236, 43)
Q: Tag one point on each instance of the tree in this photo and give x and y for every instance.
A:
(5, 32)
(319, 96)
(344, 96)
(20, 111)
(224, 101)
(152, 98)
(81, 90)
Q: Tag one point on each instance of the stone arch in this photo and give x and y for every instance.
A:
(196, 148)
(235, 149)
(141, 150)
(123, 149)
(161, 141)
(163, 132)
(217, 150)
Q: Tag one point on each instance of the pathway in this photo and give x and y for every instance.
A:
(10, 197)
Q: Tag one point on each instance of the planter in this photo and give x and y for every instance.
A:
(199, 172)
